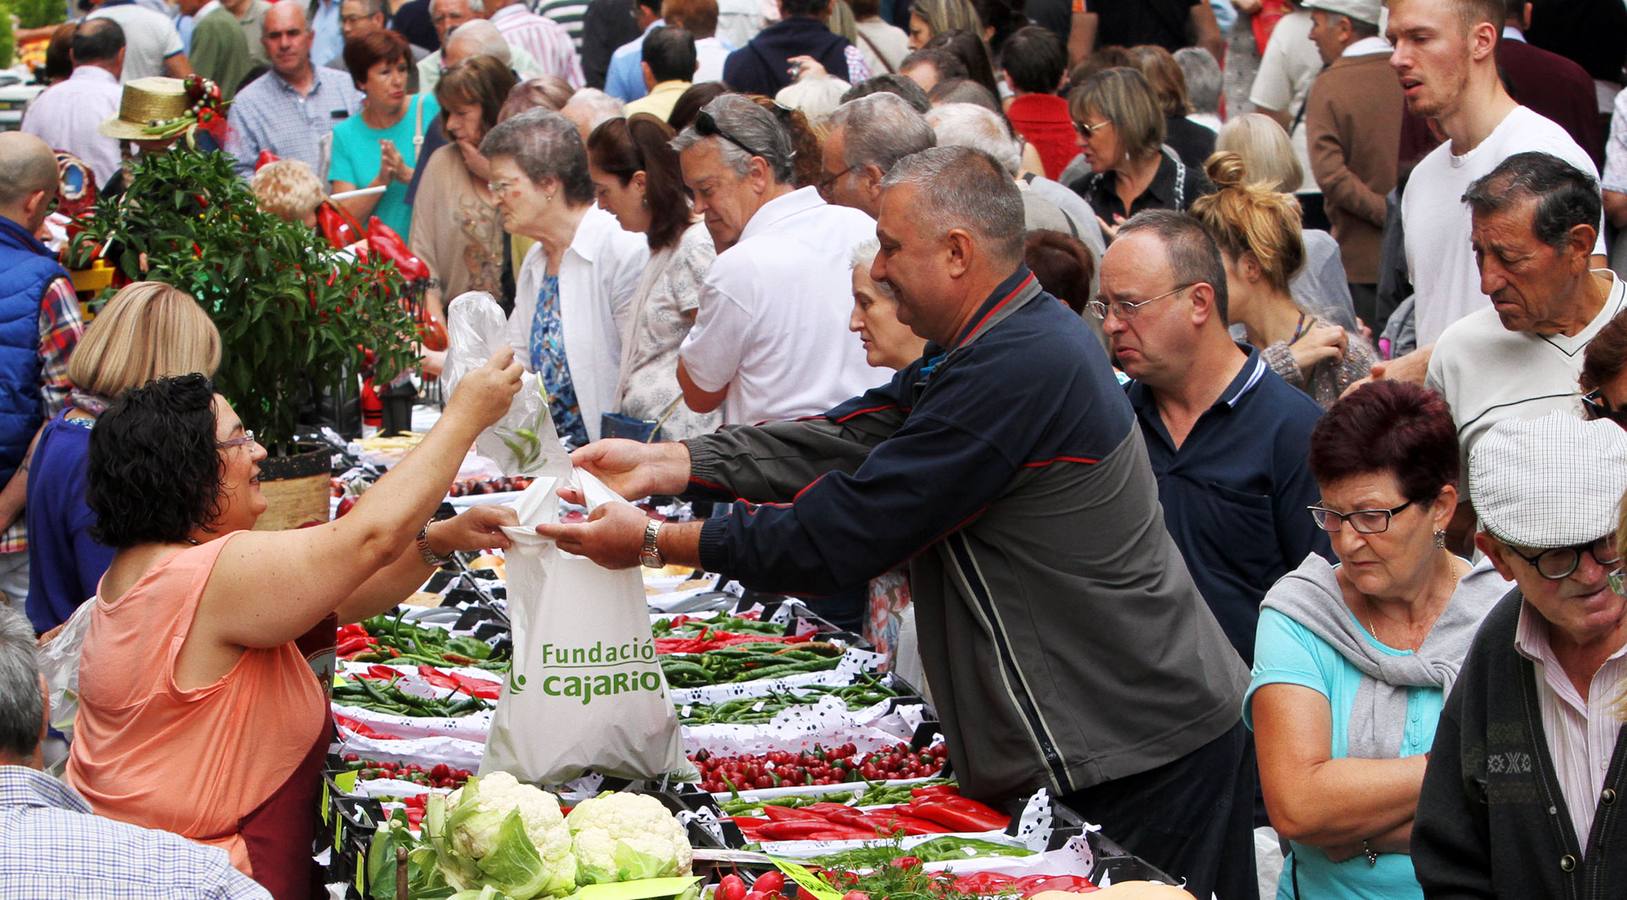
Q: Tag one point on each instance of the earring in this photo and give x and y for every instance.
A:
(1440, 540)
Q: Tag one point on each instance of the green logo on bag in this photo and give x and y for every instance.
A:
(599, 655)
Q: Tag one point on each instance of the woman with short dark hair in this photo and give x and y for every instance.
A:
(379, 147)
(1604, 390)
(637, 179)
(198, 713)
(1352, 663)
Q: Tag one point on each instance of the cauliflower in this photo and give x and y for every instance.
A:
(497, 832)
(624, 837)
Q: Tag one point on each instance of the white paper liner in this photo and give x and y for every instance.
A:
(846, 672)
(472, 728)
(413, 683)
(425, 751)
(827, 723)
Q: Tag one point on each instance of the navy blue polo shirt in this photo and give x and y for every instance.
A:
(1235, 492)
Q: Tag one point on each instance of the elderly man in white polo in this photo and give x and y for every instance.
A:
(1529, 768)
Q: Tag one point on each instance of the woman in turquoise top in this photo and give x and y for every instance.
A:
(1352, 663)
(379, 147)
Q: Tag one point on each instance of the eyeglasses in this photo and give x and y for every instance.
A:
(826, 182)
(1597, 406)
(499, 187)
(1558, 563)
(247, 437)
(706, 126)
(1089, 131)
(1129, 309)
(1618, 582)
(1361, 521)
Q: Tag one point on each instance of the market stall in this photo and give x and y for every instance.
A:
(811, 769)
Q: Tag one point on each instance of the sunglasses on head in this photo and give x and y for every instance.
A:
(706, 126)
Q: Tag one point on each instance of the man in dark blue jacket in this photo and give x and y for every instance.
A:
(1062, 637)
(39, 326)
(763, 66)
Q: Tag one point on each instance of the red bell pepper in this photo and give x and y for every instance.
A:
(383, 240)
(478, 687)
(437, 678)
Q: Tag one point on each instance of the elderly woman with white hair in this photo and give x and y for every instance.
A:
(576, 287)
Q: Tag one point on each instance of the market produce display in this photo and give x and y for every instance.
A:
(749, 661)
(626, 837)
(469, 487)
(389, 639)
(868, 691)
(440, 775)
(836, 765)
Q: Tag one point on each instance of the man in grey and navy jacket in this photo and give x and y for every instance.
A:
(1064, 642)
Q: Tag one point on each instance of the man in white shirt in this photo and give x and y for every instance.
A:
(1287, 69)
(69, 114)
(770, 340)
(152, 46)
(1533, 230)
(1447, 64)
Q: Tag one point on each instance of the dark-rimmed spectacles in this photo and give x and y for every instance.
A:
(1361, 521)
(1557, 563)
(1597, 406)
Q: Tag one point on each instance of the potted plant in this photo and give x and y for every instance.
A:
(295, 315)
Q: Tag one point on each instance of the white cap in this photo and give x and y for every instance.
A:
(1554, 481)
(1362, 10)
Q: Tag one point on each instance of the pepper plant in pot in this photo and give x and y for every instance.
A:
(296, 317)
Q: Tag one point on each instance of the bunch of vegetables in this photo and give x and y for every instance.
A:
(767, 887)
(879, 794)
(837, 765)
(903, 877)
(715, 639)
(935, 810)
(390, 639)
(685, 624)
(451, 681)
(868, 691)
(440, 775)
(498, 838)
(749, 662)
(387, 698)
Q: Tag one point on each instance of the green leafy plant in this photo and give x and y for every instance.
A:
(295, 315)
(39, 13)
(8, 37)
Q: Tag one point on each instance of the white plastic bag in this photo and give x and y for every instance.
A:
(523, 441)
(593, 695)
(59, 664)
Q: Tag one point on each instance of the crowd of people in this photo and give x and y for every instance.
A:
(1236, 391)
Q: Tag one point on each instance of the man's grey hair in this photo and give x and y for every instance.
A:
(22, 703)
(748, 124)
(591, 107)
(1203, 78)
(1566, 196)
(544, 144)
(970, 125)
(965, 188)
(481, 39)
(478, 7)
(879, 130)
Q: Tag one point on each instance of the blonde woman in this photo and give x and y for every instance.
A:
(930, 18)
(1257, 231)
(148, 330)
(289, 190)
(1321, 285)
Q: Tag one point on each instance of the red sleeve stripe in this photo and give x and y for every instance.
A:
(865, 412)
(1040, 464)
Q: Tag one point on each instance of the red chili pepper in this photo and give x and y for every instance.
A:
(791, 814)
(967, 805)
(936, 790)
(361, 728)
(954, 818)
(436, 678)
(1030, 885)
(487, 690)
(384, 241)
(804, 830)
(384, 672)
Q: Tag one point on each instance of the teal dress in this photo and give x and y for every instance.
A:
(1286, 652)
(356, 156)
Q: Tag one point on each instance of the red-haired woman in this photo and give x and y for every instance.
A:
(635, 174)
(1352, 663)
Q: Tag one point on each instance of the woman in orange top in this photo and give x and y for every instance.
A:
(198, 714)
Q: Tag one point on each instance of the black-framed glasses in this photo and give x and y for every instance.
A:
(1597, 406)
(706, 126)
(1557, 563)
(1129, 309)
(1361, 521)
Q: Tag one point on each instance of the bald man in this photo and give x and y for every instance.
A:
(290, 109)
(39, 326)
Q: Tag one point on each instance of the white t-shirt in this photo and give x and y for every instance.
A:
(1487, 373)
(1436, 222)
(1287, 70)
(772, 323)
(149, 39)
